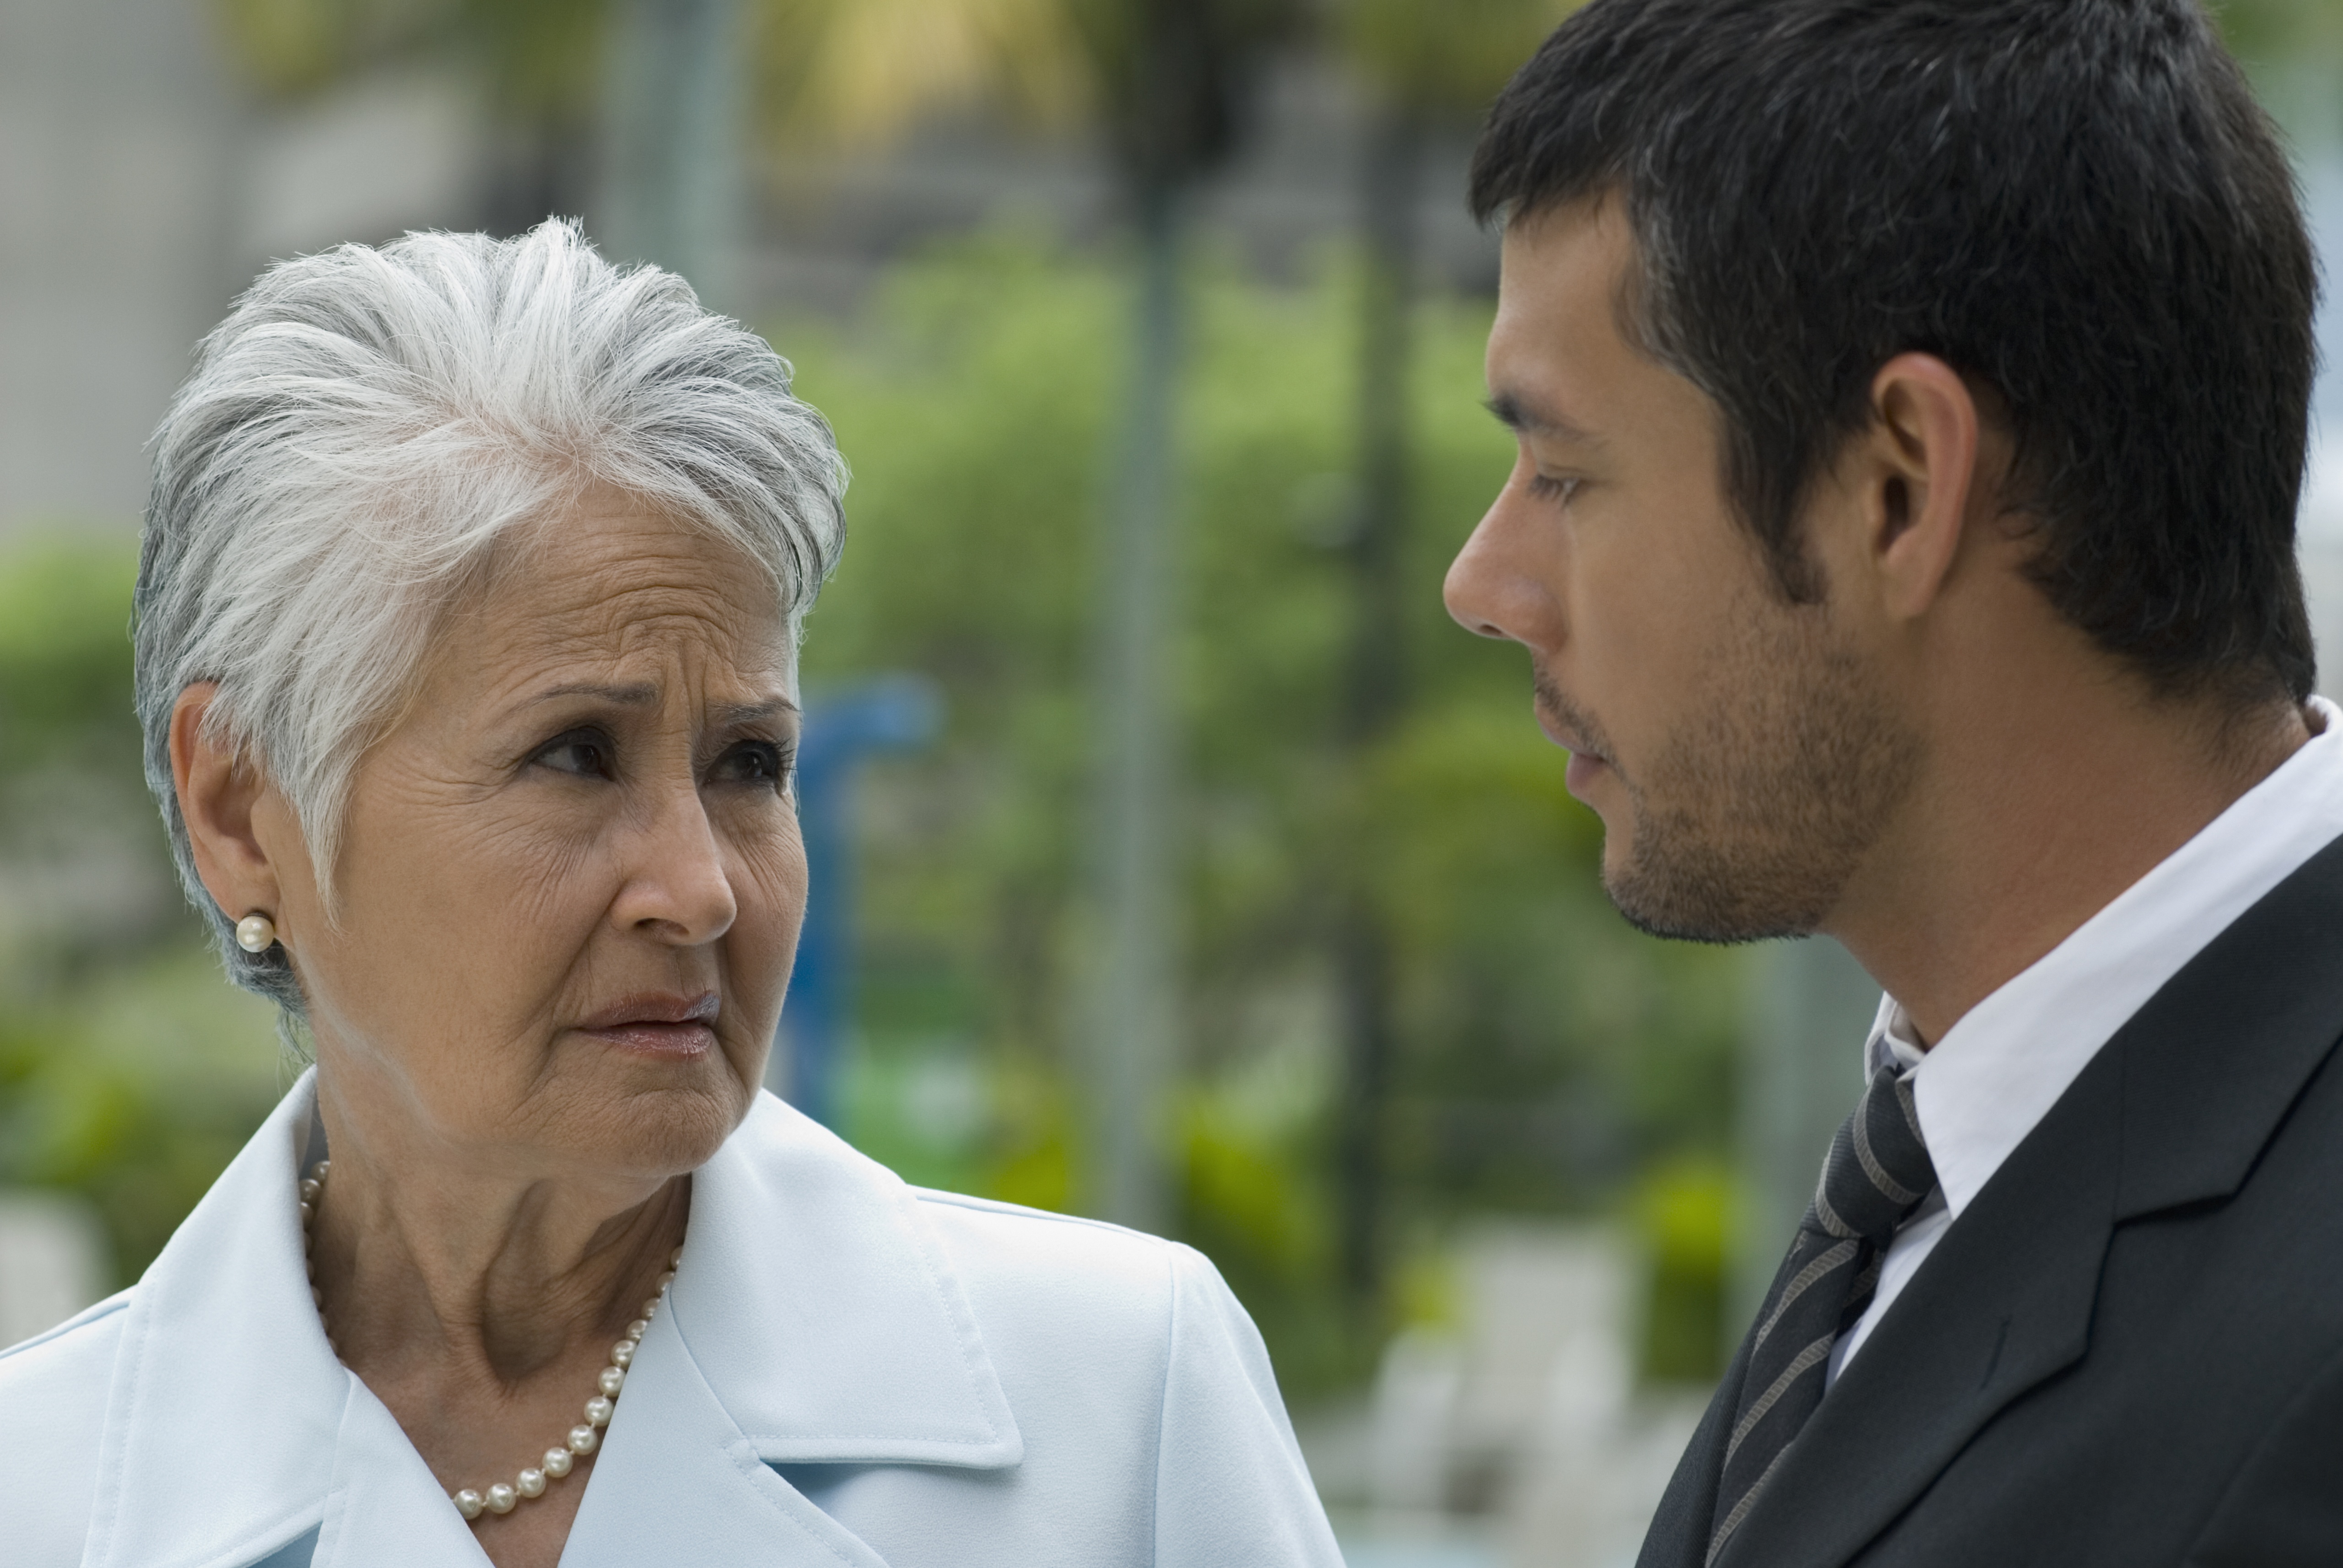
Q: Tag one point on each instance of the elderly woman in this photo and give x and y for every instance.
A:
(467, 633)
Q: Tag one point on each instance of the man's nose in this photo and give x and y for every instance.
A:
(1487, 590)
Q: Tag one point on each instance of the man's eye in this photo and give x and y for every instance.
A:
(757, 762)
(1547, 487)
(585, 752)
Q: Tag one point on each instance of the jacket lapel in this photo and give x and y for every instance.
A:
(677, 1481)
(813, 1321)
(2175, 1109)
(225, 1404)
(817, 1303)
(2002, 1302)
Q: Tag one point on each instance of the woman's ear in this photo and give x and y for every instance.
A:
(217, 793)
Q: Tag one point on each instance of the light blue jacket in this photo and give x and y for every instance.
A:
(851, 1373)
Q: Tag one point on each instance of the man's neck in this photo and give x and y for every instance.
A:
(2013, 842)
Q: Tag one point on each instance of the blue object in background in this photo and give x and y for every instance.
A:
(842, 726)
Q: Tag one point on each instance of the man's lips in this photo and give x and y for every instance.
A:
(1587, 765)
(1584, 769)
(1560, 734)
(659, 1023)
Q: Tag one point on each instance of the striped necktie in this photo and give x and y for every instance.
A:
(1877, 1173)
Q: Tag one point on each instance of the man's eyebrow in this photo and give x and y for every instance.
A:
(1517, 414)
(644, 694)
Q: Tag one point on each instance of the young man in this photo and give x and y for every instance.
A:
(1911, 401)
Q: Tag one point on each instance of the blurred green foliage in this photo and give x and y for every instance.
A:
(129, 1072)
(65, 653)
(1549, 1052)
(2271, 30)
(1683, 1210)
(533, 57)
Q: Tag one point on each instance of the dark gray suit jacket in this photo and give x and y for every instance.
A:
(2128, 1351)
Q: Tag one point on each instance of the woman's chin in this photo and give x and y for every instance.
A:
(648, 1110)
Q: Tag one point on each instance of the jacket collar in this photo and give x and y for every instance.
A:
(814, 1317)
(2175, 1110)
(818, 1303)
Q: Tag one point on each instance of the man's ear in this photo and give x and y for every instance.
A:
(217, 795)
(1915, 475)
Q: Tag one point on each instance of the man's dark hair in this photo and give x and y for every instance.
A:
(2077, 202)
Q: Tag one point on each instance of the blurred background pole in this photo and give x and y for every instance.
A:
(1168, 73)
(842, 729)
(674, 181)
(1374, 680)
(1425, 63)
(1139, 1022)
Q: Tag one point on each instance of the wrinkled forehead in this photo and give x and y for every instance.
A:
(620, 591)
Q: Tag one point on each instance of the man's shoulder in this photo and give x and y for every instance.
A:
(2285, 1505)
(53, 1388)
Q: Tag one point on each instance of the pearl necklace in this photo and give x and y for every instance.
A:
(504, 1496)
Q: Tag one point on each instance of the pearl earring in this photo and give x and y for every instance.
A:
(255, 933)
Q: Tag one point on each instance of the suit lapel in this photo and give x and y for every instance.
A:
(1680, 1526)
(2175, 1109)
(2002, 1302)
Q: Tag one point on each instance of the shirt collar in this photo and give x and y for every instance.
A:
(814, 1317)
(2001, 1067)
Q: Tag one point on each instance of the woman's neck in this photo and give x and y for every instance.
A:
(434, 1260)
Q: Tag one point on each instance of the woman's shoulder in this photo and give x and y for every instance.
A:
(54, 1387)
(1010, 1237)
(1075, 1283)
(67, 1368)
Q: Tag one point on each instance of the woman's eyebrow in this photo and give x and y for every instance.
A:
(752, 712)
(642, 694)
(646, 694)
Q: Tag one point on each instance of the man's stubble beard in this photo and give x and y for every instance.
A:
(1750, 820)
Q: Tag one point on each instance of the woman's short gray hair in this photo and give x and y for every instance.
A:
(362, 430)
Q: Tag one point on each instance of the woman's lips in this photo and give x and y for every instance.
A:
(658, 1023)
(668, 1040)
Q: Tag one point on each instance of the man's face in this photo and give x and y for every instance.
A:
(1741, 751)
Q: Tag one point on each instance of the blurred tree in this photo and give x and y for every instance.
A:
(1170, 73)
(129, 1072)
(856, 74)
(2270, 30)
(540, 64)
(1543, 1052)
(1165, 82)
(1426, 64)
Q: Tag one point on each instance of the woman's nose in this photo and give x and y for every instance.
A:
(680, 888)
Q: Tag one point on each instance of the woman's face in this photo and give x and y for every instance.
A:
(571, 880)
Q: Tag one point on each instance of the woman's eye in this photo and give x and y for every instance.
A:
(757, 762)
(585, 752)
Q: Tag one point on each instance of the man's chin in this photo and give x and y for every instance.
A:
(1698, 899)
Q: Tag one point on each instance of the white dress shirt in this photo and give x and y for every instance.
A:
(2000, 1068)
